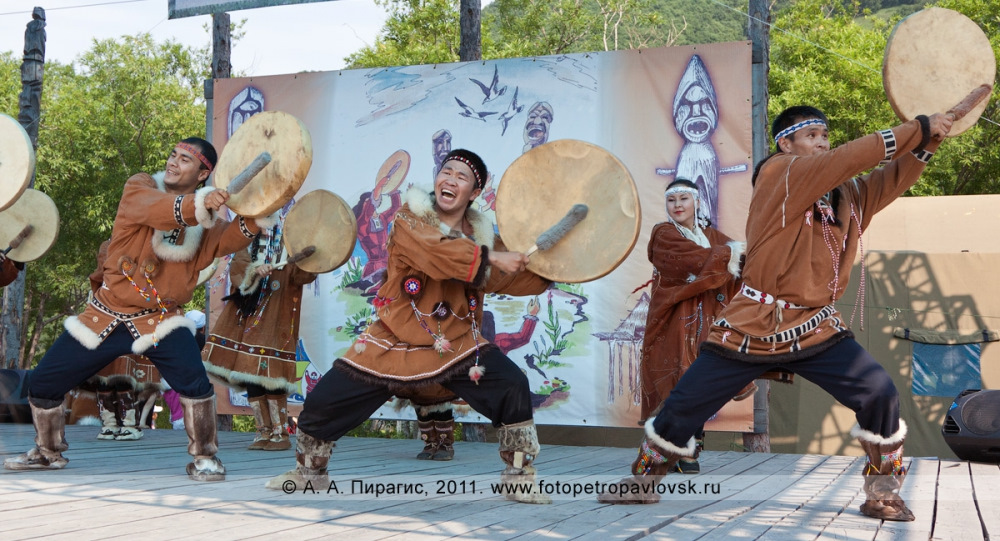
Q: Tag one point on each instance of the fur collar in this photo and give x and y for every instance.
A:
(176, 252)
(421, 203)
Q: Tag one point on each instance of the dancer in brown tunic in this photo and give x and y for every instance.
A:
(807, 213)
(164, 233)
(252, 344)
(443, 257)
(695, 271)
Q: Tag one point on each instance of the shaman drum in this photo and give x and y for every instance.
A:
(923, 76)
(35, 214)
(544, 184)
(287, 146)
(17, 161)
(323, 221)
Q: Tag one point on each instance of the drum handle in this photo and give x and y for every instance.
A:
(16, 241)
(256, 166)
(306, 252)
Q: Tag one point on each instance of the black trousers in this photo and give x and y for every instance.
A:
(68, 363)
(845, 370)
(340, 402)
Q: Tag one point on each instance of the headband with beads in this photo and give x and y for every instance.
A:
(196, 153)
(466, 161)
(796, 127)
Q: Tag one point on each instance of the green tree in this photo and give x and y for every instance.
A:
(829, 54)
(116, 111)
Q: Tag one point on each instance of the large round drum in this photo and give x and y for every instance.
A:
(541, 187)
(34, 209)
(933, 60)
(17, 161)
(287, 141)
(390, 176)
(323, 220)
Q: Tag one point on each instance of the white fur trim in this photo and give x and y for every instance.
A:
(267, 222)
(206, 218)
(250, 278)
(89, 420)
(665, 445)
(421, 202)
(736, 249)
(239, 380)
(165, 327)
(182, 252)
(87, 338)
(871, 437)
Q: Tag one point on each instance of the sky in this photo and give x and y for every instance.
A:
(278, 39)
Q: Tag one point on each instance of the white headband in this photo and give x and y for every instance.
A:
(796, 127)
(680, 188)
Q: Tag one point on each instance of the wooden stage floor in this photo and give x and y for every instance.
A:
(138, 490)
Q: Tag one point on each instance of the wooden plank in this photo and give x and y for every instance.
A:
(986, 483)
(957, 517)
(919, 492)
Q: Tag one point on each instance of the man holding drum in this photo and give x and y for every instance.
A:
(164, 233)
(443, 257)
(808, 211)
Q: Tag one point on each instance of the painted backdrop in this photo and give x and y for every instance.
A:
(679, 111)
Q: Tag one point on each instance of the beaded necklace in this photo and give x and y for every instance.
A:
(149, 292)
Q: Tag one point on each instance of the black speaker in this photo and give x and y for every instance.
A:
(14, 406)
(972, 426)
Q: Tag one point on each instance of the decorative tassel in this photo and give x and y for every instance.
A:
(476, 372)
(442, 345)
(360, 346)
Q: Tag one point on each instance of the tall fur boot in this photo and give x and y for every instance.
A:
(428, 433)
(311, 458)
(261, 418)
(884, 474)
(50, 441)
(203, 442)
(125, 407)
(277, 406)
(518, 449)
(446, 440)
(107, 410)
(657, 457)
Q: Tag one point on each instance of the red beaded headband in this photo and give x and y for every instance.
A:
(475, 171)
(196, 153)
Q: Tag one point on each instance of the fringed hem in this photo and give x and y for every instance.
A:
(458, 370)
(239, 380)
(805, 353)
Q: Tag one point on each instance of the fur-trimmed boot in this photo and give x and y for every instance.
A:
(261, 418)
(203, 441)
(884, 474)
(446, 440)
(125, 406)
(311, 458)
(277, 406)
(518, 449)
(657, 457)
(106, 409)
(50, 441)
(428, 433)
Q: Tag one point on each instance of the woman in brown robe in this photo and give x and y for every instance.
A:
(695, 272)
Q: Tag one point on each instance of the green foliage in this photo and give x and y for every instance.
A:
(829, 54)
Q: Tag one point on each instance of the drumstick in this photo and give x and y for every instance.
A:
(256, 166)
(16, 241)
(306, 252)
(970, 102)
(555, 233)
